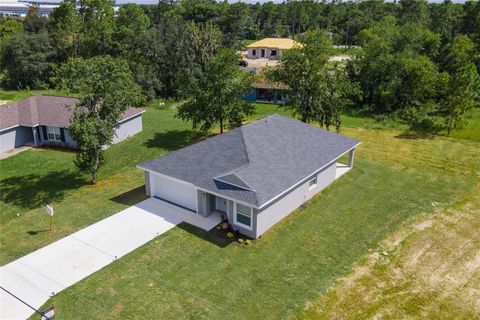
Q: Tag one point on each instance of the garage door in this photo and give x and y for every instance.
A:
(174, 191)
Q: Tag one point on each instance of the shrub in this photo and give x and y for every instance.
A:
(248, 242)
(240, 240)
(230, 235)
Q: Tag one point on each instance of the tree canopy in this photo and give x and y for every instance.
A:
(215, 97)
(317, 90)
(411, 50)
(107, 89)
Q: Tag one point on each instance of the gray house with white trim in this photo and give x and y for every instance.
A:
(255, 175)
(44, 120)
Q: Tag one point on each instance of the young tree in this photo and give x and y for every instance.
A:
(216, 93)
(108, 89)
(463, 95)
(317, 91)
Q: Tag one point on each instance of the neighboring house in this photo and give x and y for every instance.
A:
(261, 54)
(269, 48)
(44, 120)
(255, 175)
(266, 91)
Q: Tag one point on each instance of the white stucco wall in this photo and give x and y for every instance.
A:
(269, 216)
(128, 128)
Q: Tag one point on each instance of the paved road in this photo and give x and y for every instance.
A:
(37, 276)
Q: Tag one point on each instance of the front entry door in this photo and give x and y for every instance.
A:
(221, 204)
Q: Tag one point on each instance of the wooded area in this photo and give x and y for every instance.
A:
(419, 61)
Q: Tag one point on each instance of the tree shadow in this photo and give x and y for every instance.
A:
(35, 232)
(131, 197)
(175, 139)
(205, 235)
(34, 190)
(415, 136)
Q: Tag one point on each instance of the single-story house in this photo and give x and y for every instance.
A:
(254, 175)
(44, 120)
(269, 48)
(266, 91)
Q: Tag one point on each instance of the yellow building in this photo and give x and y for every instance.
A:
(269, 48)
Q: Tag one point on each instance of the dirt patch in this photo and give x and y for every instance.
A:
(423, 225)
(429, 268)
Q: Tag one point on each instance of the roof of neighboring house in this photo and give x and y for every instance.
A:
(44, 110)
(256, 162)
(262, 83)
(279, 43)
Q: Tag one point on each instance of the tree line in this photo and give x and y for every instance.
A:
(166, 44)
(418, 63)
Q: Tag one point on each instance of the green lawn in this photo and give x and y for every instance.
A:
(13, 95)
(183, 273)
(471, 129)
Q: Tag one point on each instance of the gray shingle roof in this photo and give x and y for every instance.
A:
(269, 156)
(44, 110)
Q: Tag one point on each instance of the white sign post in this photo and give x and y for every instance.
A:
(48, 313)
(49, 210)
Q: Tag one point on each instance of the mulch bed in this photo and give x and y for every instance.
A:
(225, 232)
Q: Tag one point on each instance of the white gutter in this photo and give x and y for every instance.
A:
(20, 125)
(136, 114)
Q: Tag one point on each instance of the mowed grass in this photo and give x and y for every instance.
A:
(183, 274)
(13, 95)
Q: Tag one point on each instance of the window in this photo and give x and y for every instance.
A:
(243, 216)
(53, 133)
(312, 183)
(273, 53)
(254, 52)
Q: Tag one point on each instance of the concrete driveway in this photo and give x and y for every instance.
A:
(47, 271)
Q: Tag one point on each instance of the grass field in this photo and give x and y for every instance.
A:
(13, 95)
(183, 273)
(428, 269)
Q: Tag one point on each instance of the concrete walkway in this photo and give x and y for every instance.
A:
(47, 271)
(10, 153)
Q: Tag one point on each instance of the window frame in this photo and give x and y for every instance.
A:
(236, 222)
(52, 135)
(313, 182)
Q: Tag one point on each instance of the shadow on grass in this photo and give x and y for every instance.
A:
(415, 136)
(205, 235)
(131, 197)
(35, 232)
(174, 139)
(35, 190)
